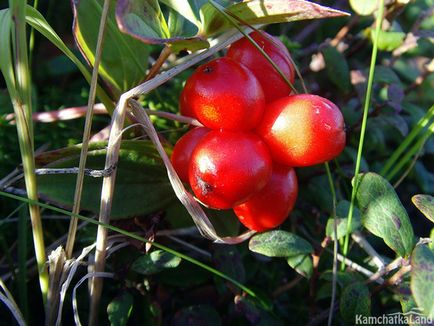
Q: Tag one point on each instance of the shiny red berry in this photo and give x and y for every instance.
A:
(303, 130)
(223, 94)
(271, 206)
(183, 149)
(228, 167)
(273, 85)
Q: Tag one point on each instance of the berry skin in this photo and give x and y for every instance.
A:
(303, 130)
(228, 167)
(271, 206)
(272, 83)
(183, 149)
(222, 94)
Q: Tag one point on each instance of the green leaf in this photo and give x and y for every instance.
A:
(155, 262)
(425, 203)
(38, 22)
(365, 7)
(124, 60)
(337, 68)
(389, 41)
(342, 221)
(145, 21)
(386, 75)
(355, 300)
(119, 309)
(279, 244)
(6, 66)
(383, 214)
(264, 12)
(197, 315)
(422, 278)
(302, 264)
(142, 186)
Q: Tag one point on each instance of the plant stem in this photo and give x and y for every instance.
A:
(335, 244)
(132, 236)
(379, 22)
(23, 110)
(86, 134)
(22, 257)
(422, 123)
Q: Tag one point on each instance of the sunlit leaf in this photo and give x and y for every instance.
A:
(302, 264)
(383, 214)
(279, 244)
(155, 262)
(425, 203)
(119, 309)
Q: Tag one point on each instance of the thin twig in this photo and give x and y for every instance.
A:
(86, 134)
(286, 287)
(365, 245)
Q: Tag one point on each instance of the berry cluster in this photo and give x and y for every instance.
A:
(254, 133)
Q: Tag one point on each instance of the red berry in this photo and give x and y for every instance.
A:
(303, 130)
(183, 149)
(244, 52)
(228, 167)
(223, 94)
(271, 206)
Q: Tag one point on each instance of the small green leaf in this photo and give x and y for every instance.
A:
(383, 214)
(145, 21)
(124, 60)
(342, 221)
(389, 41)
(337, 68)
(302, 264)
(355, 301)
(425, 203)
(155, 262)
(422, 278)
(386, 75)
(264, 12)
(119, 309)
(279, 244)
(365, 7)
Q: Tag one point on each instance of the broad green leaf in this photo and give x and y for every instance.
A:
(383, 214)
(425, 203)
(119, 309)
(264, 12)
(142, 186)
(386, 75)
(355, 300)
(145, 21)
(337, 68)
(422, 278)
(197, 315)
(38, 22)
(302, 264)
(279, 244)
(342, 221)
(389, 41)
(124, 60)
(155, 262)
(365, 7)
(187, 9)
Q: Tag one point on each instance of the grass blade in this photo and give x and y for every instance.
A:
(378, 23)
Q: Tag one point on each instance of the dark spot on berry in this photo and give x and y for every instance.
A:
(207, 69)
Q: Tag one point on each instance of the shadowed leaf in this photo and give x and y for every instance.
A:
(342, 221)
(302, 264)
(119, 309)
(422, 278)
(155, 262)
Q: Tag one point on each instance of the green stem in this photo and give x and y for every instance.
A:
(32, 37)
(133, 236)
(378, 23)
(23, 116)
(422, 123)
(413, 150)
(22, 259)
(335, 244)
